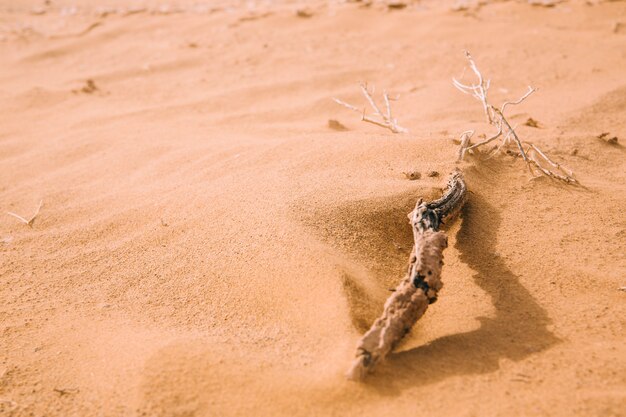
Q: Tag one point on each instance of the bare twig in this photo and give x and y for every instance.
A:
(484, 142)
(386, 119)
(28, 222)
(420, 286)
(465, 142)
(478, 91)
(537, 160)
(349, 106)
(565, 174)
(514, 103)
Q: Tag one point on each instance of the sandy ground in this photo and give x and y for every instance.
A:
(208, 246)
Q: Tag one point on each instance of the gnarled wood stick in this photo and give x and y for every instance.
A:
(420, 286)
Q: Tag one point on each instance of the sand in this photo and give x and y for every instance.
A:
(208, 246)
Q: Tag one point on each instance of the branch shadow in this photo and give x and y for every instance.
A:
(518, 330)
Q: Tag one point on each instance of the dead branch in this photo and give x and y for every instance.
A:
(536, 155)
(465, 140)
(478, 91)
(535, 159)
(28, 222)
(386, 119)
(420, 286)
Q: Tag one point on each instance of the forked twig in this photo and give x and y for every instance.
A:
(28, 222)
(535, 159)
(386, 119)
(420, 286)
(565, 174)
(484, 142)
(478, 91)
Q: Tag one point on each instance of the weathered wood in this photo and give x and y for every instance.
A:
(420, 286)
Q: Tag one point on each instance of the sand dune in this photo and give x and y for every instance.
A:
(208, 246)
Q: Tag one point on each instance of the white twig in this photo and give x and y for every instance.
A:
(387, 105)
(343, 103)
(515, 103)
(496, 117)
(478, 91)
(386, 119)
(370, 100)
(28, 222)
(566, 174)
(486, 141)
(465, 141)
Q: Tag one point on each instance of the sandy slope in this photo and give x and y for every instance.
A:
(208, 246)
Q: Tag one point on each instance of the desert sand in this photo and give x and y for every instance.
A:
(209, 246)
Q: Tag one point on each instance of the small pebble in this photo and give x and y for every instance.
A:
(413, 175)
(396, 5)
(605, 137)
(336, 125)
(305, 13)
(531, 122)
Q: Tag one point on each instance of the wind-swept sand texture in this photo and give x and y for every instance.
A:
(208, 246)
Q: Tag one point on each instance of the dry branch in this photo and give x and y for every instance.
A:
(465, 140)
(420, 286)
(28, 222)
(386, 119)
(535, 159)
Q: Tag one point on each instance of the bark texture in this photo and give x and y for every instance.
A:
(420, 286)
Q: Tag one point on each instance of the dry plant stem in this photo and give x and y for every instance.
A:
(479, 91)
(566, 174)
(515, 103)
(465, 141)
(28, 222)
(386, 119)
(484, 142)
(496, 117)
(419, 287)
(511, 132)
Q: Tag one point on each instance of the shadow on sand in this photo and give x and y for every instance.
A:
(518, 329)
